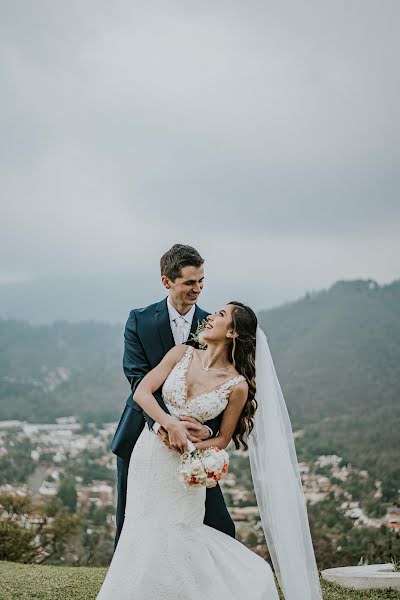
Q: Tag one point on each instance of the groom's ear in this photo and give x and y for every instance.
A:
(165, 282)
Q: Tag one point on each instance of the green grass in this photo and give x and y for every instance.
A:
(34, 582)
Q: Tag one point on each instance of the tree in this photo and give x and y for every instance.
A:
(16, 465)
(59, 539)
(16, 542)
(67, 493)
(15, 506)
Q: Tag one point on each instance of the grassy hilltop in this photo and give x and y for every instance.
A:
(34, 582)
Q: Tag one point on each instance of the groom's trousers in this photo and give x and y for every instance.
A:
(216, 514)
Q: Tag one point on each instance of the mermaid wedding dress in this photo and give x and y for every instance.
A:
(165, 552)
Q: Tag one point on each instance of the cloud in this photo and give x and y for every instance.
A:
(267, 132)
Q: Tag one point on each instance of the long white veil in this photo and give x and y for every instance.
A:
(277, 485)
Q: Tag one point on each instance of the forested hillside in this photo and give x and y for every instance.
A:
(337, 354)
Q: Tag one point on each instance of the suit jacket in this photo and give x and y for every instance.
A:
(148, 337)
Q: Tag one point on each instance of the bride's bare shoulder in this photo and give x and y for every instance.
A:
(176, 352)
(239, 394)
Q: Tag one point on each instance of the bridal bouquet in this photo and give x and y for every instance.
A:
(203, 467)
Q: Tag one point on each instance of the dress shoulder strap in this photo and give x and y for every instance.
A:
(233, 381)
(186, 357)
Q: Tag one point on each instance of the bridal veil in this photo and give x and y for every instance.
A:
(277, 485)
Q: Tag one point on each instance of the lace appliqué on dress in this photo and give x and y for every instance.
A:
(204, 406)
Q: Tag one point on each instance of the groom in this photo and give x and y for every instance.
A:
(150, 333)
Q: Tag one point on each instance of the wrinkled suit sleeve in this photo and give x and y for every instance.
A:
(136, 364)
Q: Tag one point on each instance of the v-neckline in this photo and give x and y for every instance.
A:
(185, 388)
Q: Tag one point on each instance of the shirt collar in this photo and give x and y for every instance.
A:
(173, 313)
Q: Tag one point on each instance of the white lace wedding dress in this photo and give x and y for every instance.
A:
(165, 552)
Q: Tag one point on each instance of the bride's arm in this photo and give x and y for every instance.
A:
(144, 397)
(230, 418)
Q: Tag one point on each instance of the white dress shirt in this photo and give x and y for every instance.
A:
(180, 327)
(180, 324)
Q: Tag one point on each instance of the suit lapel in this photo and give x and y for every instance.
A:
(164, 328)
(163, 325)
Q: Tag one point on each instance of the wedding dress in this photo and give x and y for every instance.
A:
(165, 551)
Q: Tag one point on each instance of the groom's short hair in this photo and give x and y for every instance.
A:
(176, 258)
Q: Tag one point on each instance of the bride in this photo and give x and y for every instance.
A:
(165, 551)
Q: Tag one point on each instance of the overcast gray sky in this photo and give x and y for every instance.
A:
(266, 134)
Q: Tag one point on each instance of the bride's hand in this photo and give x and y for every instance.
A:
(177, 435)
(164, 436)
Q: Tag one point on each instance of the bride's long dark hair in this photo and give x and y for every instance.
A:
(243, 356)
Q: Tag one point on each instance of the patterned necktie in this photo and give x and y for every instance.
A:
(180, 335)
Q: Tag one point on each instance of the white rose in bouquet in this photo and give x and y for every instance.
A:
(197, 468)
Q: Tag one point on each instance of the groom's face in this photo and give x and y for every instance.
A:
(186, 289)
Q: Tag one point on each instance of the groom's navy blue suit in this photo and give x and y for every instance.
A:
(148, 337)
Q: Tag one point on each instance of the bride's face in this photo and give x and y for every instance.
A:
(219, 326)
